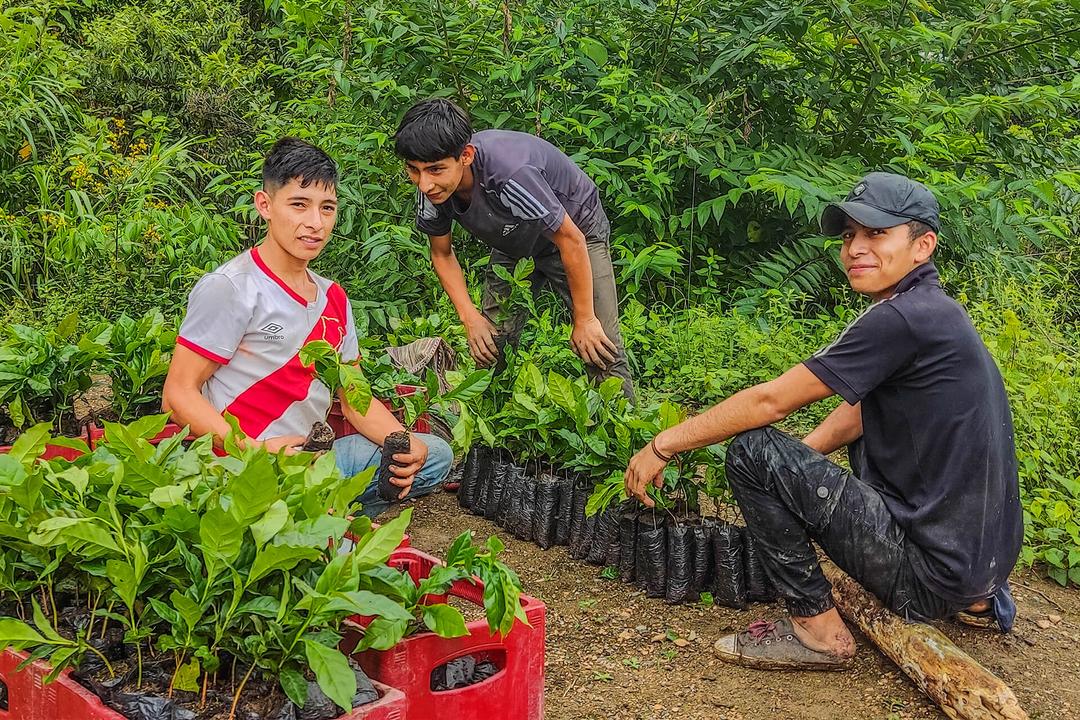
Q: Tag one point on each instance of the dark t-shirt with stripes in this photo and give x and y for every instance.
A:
(523, 187)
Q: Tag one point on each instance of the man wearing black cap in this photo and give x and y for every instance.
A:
(929, 517)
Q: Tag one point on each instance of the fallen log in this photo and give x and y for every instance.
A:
(961, 687)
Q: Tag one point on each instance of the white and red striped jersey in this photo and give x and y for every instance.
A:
(245, 317)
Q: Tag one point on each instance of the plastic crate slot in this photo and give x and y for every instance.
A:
(496, 657)
(3, 695)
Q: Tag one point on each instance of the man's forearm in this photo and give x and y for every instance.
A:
(841, 428)
(189, 407)
(574, 253)
(375, 424)
(747, 409)
(452, 279)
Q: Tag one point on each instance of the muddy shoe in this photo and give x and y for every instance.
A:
(1001, 612)
(774, 646)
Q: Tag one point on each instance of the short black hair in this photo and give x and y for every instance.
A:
(292, 158)
(917, 228)
(431, 130)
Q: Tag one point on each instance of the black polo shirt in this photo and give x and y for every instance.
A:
(938, 433)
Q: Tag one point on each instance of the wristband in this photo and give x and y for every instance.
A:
(652, 445)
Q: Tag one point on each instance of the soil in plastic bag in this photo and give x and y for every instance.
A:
(395, 443)
(483, 479)
(628, 525)
(566, 510)
(605, 532)
(461, 672)
(702, 537)
(583, 487)
(614, 548)
(729, 586)
(680, 560)
(758, 586)
(651, 565)
(320, 438)
(510, 507)
(501, 465)
(470, 479)
(525, 506)
(546, 516)
(320, 707)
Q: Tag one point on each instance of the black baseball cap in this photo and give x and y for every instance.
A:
(883, 200)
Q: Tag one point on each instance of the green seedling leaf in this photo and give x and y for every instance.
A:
(278, 557)
(187, 676)
(375, 549)
(445, 621)
(363, 602)
(72, 531)
(220, 535)
(263, 606)
(271, 523)
(169, 495)
(188, 609)
(18, 634)
(253, 490)
(294, 685)
(31, 443)
(332, 672)
(77, 477)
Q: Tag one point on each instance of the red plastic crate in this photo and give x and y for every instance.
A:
(51, 451)
(515, 692)
(29, 698)
(391, 705)
(343, 428)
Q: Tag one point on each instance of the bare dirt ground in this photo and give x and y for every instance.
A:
(612, 654)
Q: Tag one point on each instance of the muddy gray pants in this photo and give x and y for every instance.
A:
(790, 494)
(549, 270)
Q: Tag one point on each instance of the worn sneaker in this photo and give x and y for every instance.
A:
(1002, 612)
(774, 646)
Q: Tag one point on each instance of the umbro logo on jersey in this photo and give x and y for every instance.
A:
(507, 229)
(271, 328)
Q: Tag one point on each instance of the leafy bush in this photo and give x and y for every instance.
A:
(138, 360)
(41, 373)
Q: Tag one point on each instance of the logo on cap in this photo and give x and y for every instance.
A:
(859, 190)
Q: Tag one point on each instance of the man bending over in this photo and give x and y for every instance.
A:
(929, 518)
(238, 347)
(522, 197)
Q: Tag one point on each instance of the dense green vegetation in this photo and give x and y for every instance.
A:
(130, 132)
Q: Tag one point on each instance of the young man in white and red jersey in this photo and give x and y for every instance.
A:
(238, 347)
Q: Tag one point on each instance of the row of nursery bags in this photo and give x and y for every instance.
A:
(677, 559)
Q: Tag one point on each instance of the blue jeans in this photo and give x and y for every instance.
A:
(355, 453)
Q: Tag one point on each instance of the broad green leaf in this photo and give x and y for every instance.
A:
(165, 612)
(73, 531)
(122, 576)
(332, 672)
(168, 495)
(77, 477)
(355, 387)
(220, 535)
(18, 634)
(375, 549)
(294, 685)
(348, 493)
(187, 676)
(253, 490)
(382, 634)
(188, 609)
(31, 443)
(445, 621)
(339, 575)
(271, 523)
(278, 557)
(316, 532)
(363, 602)
(45, 626)
(263, 605)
